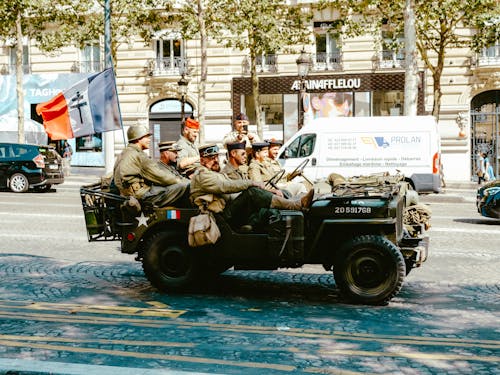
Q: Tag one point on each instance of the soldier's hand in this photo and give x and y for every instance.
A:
(259, 184)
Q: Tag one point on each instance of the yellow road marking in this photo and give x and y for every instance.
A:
(100, 341)
(166, 357)
(413, 355)
(255, 330)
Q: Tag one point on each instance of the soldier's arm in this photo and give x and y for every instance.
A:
(218, 183)
(254, 172)
(151, 171)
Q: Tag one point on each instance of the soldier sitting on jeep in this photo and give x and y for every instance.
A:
(136, 175)
(213, 188)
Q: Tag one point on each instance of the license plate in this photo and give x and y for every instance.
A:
(52, 166)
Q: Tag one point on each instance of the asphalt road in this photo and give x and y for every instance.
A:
(68, 306)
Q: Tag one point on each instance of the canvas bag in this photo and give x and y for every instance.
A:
(203, 230)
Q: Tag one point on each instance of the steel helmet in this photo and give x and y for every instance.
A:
(136, 132)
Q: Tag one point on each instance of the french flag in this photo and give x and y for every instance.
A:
(173, 214)
(90, 106)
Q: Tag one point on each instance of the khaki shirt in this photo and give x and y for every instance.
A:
(236, 173)
(204, 181)
(134, 172)
(187, 149)
(260, 171)
(171, 169)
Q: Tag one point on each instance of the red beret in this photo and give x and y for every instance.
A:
(192, 124)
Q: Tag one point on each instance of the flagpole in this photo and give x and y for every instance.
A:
(109, 141)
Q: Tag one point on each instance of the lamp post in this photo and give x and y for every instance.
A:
(183, 86)
(304, 62)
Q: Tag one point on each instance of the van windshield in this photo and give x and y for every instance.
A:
(301, 147)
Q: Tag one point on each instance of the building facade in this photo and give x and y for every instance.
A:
(351, 77)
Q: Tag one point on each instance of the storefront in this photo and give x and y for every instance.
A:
(332, 95)
(38, 88)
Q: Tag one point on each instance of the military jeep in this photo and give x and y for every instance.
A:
(355, 229)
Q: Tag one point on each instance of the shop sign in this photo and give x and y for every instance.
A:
(328, 84)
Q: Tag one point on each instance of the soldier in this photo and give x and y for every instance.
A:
(236, 167)
(168, 158)
(249, 207)
(188, 157)
(240, 133)
(135, 174)
(262, 168)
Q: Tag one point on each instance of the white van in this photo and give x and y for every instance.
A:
(354, 146)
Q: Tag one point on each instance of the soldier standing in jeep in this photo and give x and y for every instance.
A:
(208, 180)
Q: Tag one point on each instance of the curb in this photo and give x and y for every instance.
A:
(30, 367)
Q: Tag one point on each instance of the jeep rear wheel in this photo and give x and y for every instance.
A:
(19, 183)
(369, 269)
(168, 262)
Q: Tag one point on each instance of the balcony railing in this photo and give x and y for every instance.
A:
(263, 64)
(86, 66)
(489, 56)
(328, 61)
(389, 60)
(7, 69)
(167, 66)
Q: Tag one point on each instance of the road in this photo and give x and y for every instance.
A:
(70, 306)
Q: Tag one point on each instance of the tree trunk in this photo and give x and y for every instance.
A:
(436, 77)
(256, 97)
(411, 72)
(19, 79)
(204, 70)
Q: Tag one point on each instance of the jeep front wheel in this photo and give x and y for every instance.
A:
(168, 262)
(369, 269)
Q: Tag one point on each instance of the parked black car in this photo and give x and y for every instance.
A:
(488, 199)
(24, 166)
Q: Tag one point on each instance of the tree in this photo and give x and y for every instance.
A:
(36, 20)
(438, 25)
(260, 27)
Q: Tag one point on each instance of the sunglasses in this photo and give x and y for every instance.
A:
(210, 151)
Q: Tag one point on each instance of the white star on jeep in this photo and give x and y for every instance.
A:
(143, 220)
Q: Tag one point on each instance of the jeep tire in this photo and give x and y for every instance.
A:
(369, 269)
(168, 262)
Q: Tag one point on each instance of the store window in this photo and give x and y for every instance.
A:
(330, 104)
(388, 103)
(89, 143)
(90, 58)
(328, 53)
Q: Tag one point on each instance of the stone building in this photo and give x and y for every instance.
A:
(366, 80)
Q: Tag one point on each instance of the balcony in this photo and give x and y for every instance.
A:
(167, 66)
(327, 61)
(86, 66)
(263, 64)
(488, 58)
(385, 60)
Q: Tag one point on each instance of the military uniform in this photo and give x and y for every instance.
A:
(187, 150)
(135, 174)
(250, 207)
(236, 173)
(232, 137)
(173, 170)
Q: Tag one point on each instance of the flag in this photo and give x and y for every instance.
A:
(90, 106)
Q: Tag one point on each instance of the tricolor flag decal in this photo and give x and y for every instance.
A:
(90, 106)
(173, 214)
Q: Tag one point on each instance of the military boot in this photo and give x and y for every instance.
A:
(297, 204)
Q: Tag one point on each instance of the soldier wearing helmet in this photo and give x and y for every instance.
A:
(137, 175)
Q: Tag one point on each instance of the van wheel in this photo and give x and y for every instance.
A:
(168, 262)
(369, 269)
(19, 183)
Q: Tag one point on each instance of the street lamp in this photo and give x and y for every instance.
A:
(183, 86)
(304, 62)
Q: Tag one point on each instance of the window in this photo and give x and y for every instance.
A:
(328, 53)
(392, 54)
(13, 60)
(301, 147)
(169, 55)
(90, 58)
